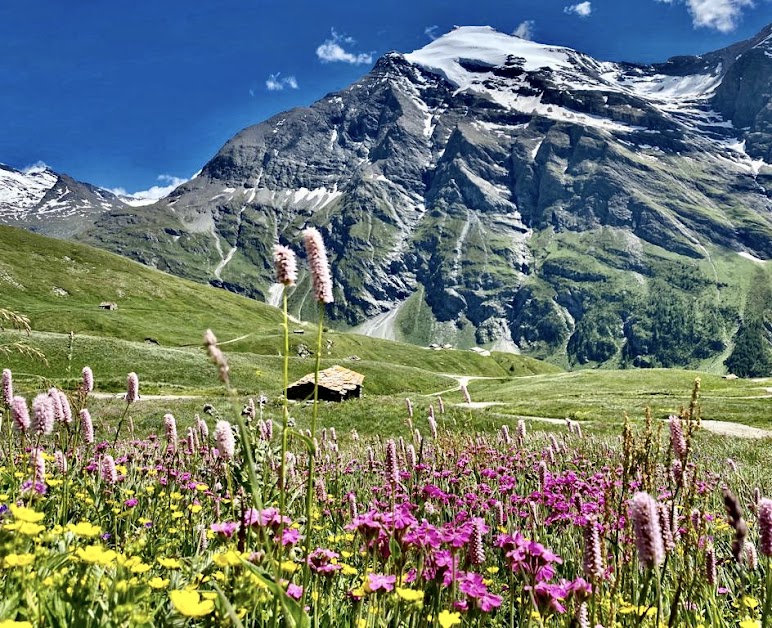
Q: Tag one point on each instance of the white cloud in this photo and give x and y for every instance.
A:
(149, 196)
(431, 32)
(583, 9)
(332, 50)
(38, 166)
(721, 15)
(524, 30)
(276, 82)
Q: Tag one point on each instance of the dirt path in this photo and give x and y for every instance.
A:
(462, 380)
(725, 428)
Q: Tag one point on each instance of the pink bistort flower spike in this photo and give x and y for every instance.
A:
(42, 415)
(765, 527)
(87, 384)
(170, 428)
(20, 414)
(318, 264)
(7, 387)
(86, 426)
(132, 388)
(224, 440)
(648, 536)
(285, 264)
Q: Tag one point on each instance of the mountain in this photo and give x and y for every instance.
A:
(44, 201)
(488, 190)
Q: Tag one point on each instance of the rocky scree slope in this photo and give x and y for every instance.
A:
(491, 190)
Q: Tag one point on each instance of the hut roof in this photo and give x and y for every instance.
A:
(335, 378)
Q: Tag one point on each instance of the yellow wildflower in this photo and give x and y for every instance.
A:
(448, 619)
(348, 570)
(54, 483)
(96, 555)
(22, 513)
(749, 602)
(25, 527)
(410, 595)
(190, 604)
(745, 623)
(289, 566)
(84, 528)
(229, 558)
(10, 623)
(195, 508)
(140, 568)
(158, 583)
(19, 560)
(169, 563)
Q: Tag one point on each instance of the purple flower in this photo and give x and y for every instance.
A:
(290, 536)
(226, 528)
(376, 582)
(294, 591)
(320, 561)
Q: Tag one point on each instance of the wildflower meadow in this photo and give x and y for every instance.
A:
(247, 519)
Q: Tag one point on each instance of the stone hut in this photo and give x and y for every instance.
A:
(335, 384)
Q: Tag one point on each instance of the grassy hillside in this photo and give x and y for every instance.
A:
(157, 329)
(60, 285)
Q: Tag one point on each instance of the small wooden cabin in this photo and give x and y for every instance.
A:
(335, 384)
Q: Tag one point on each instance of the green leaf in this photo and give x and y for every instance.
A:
(294, 615)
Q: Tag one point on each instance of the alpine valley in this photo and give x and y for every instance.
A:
(490, 191)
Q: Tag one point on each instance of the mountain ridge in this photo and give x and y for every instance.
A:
(535, 205)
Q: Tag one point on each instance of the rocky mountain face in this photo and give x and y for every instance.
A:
(488, 190)
(41, 200)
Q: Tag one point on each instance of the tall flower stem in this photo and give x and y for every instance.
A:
(312, 448)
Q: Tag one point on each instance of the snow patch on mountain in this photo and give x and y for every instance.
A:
(23, 190)
(483, 45)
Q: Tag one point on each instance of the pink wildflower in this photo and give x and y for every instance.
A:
(86, 426)
(285, 264)
(648, 536)
(132, 388)
(20, 414)
(7, 387)
(224, 440)
(317, 262)
(87, 384)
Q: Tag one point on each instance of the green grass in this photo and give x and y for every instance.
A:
(604, 396)
(35, 270)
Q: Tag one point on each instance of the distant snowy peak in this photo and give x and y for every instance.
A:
(20, 190)
(465, 55)
(482, 45)
(51, 203)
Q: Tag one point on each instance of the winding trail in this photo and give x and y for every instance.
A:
(722, 428)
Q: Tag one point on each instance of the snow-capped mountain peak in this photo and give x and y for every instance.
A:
(48, 202)
(483, 46)
(20, 190)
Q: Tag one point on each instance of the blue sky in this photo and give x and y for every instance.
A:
(143, 93)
